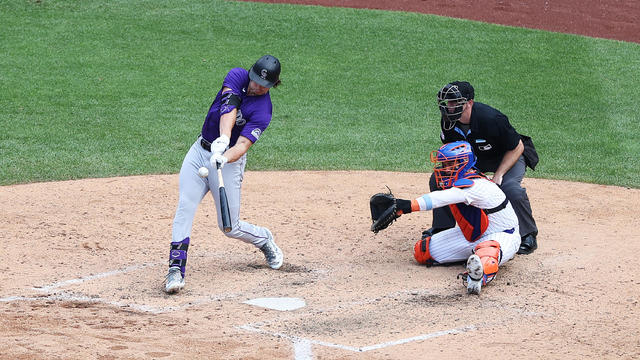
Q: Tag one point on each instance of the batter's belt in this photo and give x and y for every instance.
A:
(205, 144)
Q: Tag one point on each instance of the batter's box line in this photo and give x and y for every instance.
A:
(300, 343)
(59, 284)
(68, 297)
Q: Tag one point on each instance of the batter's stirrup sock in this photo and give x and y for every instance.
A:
(178, 255)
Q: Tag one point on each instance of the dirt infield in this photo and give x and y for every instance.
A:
(609, 19)
(84, 261)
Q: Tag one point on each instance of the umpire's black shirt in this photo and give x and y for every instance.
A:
(489, 133)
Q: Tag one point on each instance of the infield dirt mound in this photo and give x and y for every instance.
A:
(84, 263)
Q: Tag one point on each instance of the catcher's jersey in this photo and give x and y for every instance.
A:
(453, 245)
(254, 113)
(483, 194)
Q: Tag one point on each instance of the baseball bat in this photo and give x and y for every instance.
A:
(224, 203)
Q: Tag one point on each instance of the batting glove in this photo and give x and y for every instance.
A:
(219, 145)
(218, 159)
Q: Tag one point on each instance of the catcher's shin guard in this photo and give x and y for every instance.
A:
(489, 253)
(421, 250)
(178, 255)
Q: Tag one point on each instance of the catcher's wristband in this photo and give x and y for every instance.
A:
(407, 206)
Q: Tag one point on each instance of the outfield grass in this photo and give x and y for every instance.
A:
(107, 88)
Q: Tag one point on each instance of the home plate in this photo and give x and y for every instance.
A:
(279, 303)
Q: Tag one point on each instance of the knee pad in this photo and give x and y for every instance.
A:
(421, 251)
(178, 255)
(490, 254)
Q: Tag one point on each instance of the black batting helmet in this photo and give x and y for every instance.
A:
(266, 71)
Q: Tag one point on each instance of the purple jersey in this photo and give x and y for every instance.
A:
(254, 114)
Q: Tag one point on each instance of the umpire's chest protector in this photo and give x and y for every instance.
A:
(490, 135)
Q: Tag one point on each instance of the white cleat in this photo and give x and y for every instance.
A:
(474, 271)
(272, 253)
(174, 281)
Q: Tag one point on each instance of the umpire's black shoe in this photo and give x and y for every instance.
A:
(528, 244)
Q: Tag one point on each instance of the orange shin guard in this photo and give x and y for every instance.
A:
(421, 250)
(490, 254)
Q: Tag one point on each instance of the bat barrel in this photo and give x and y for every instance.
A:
(224, 203)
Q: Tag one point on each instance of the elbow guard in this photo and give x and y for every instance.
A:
(228, 102)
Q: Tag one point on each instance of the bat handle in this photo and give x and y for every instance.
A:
(220, 180)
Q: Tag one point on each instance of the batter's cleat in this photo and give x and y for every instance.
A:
(174, 281)
(272, 253)
(475, 273)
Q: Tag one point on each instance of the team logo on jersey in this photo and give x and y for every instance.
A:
(263, 73)
(481, 145)
(239, 119)
(256, 133)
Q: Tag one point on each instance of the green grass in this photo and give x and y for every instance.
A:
(96, 89)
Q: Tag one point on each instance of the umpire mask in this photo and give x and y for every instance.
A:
(451, 104)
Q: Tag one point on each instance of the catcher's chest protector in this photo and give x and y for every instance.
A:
(472, 220)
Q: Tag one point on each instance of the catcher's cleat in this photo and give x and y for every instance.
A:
(475, 274)
(272, 253)
(174, 281)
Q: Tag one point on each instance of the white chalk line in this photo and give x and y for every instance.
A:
(419, 338)
(302, 350)
(303, 345)
(48, 288)
(66, 296)
(144, 308)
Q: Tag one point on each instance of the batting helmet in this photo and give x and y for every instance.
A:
(451, 100)
(266, 71)
(451, 162)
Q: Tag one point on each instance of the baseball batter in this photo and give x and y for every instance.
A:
(486, 235)
(238, 116)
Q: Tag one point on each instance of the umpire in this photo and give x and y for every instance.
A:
(499, 148)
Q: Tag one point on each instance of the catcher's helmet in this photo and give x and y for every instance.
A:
(266, 71)
(451, 162)
(451, 100)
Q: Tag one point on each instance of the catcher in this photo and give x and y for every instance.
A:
(486, 235)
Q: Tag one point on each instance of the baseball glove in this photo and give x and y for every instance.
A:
(384, 210)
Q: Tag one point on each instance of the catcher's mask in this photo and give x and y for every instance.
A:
(451, 162)
(451, 103)
(266, 71)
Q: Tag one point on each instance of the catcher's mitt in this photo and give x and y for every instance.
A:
(383, 210)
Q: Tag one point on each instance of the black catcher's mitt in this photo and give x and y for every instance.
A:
(384, 210)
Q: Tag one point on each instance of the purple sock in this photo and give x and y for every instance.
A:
(178, 255)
